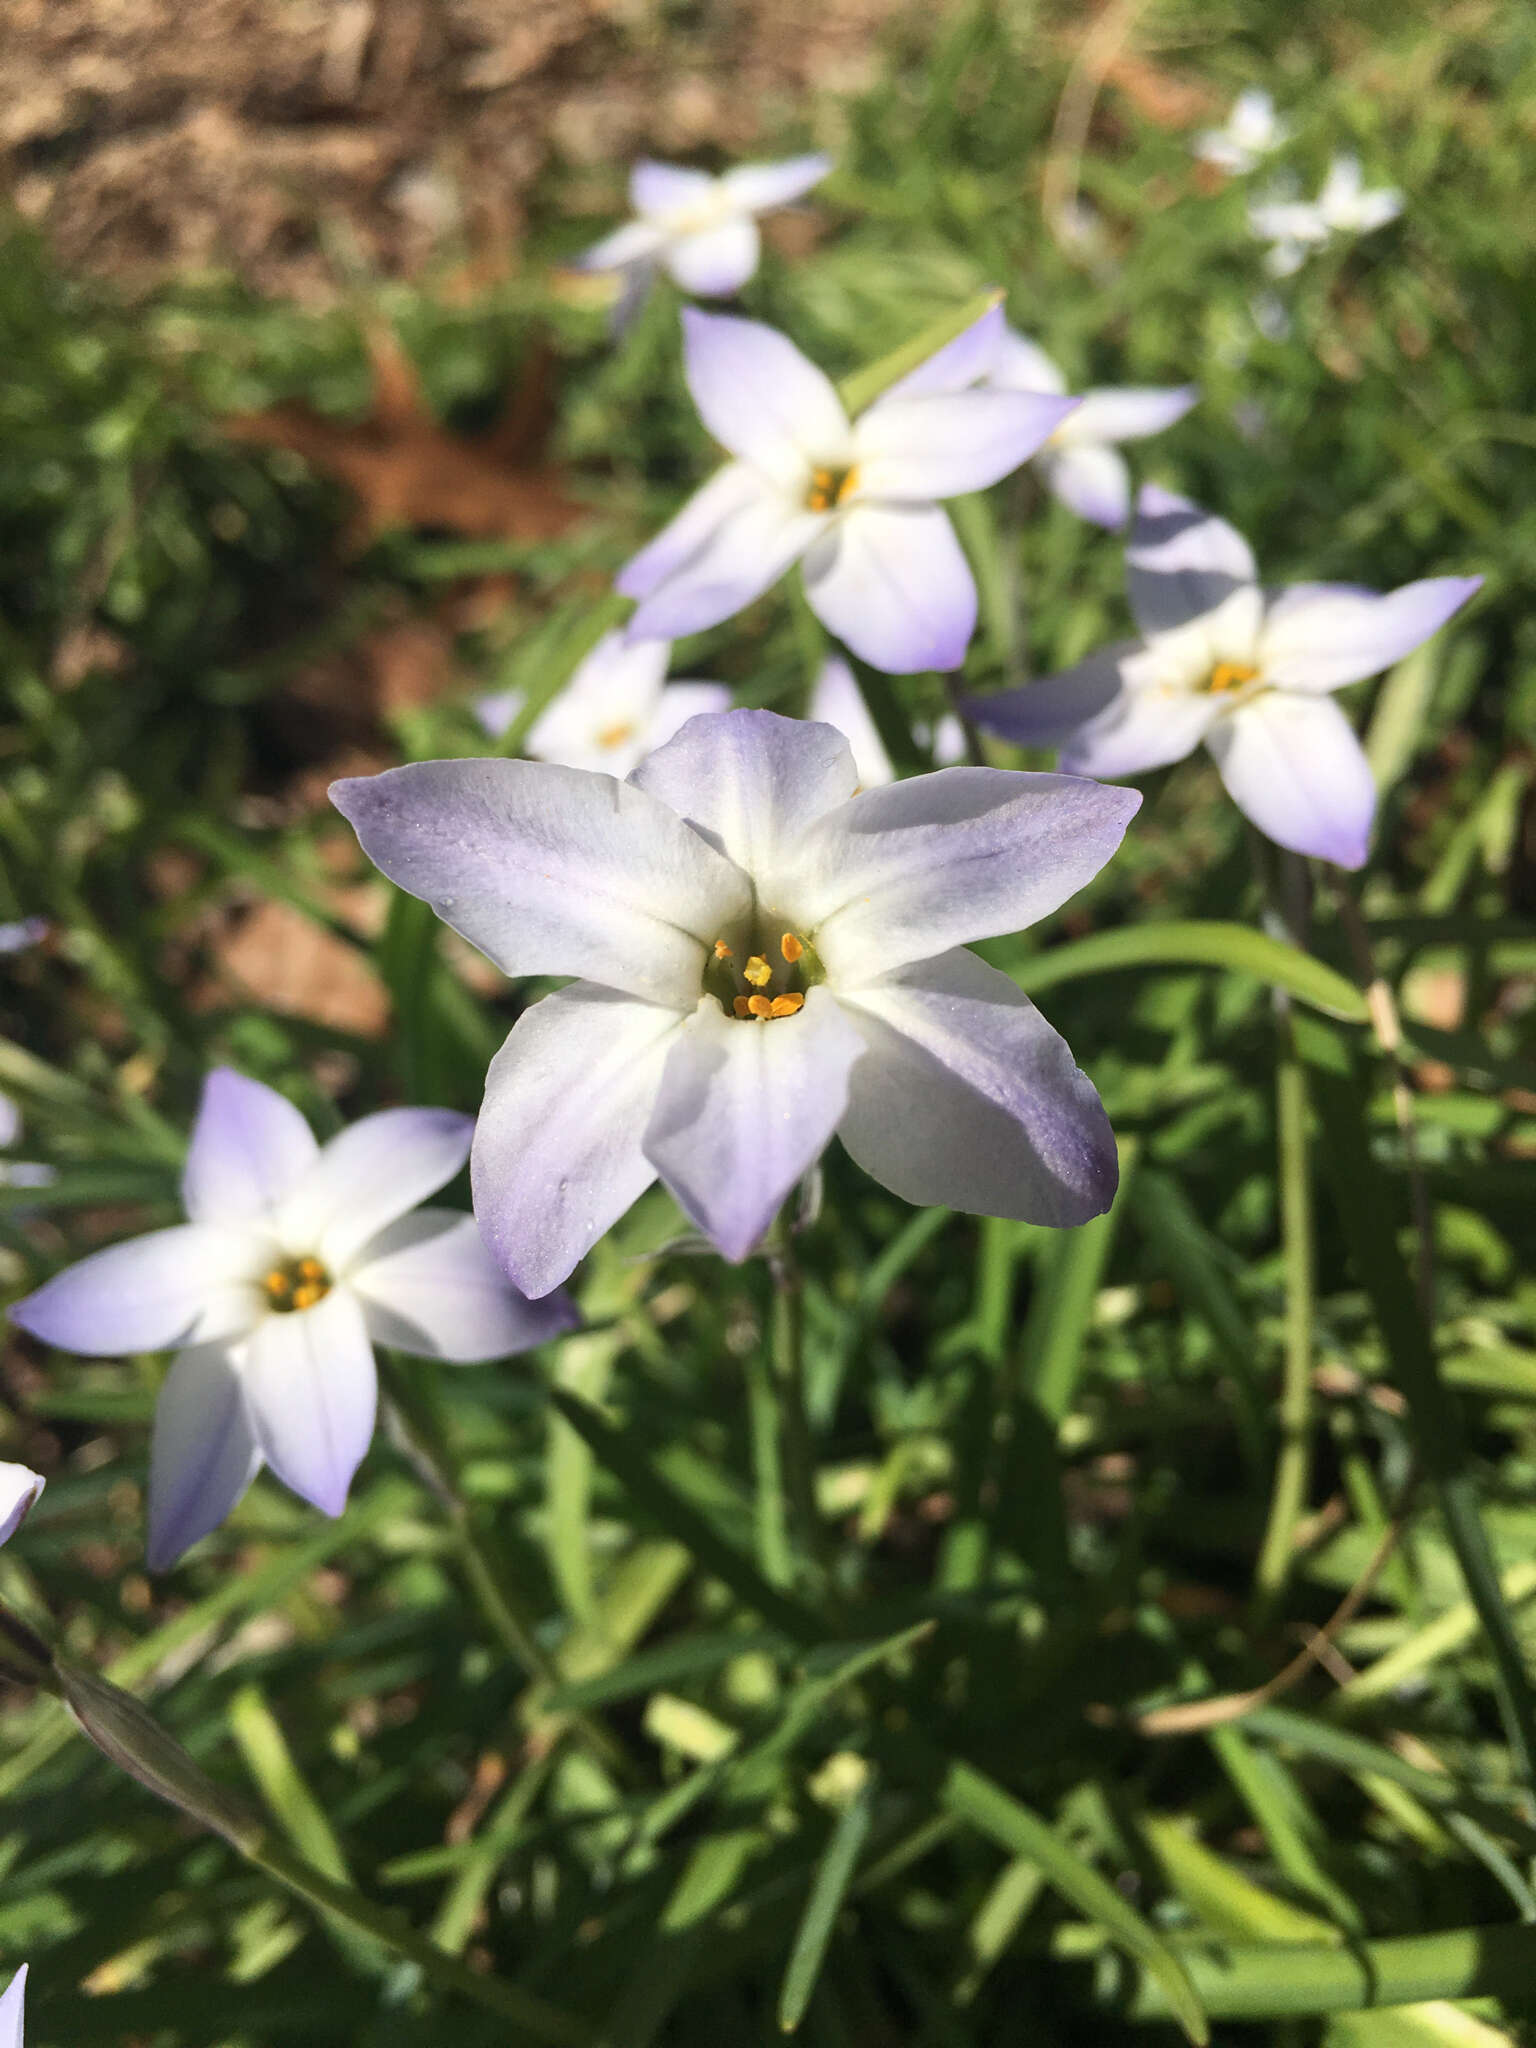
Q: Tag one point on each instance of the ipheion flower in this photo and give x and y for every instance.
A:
(296, 1260)
(1248, 672)
(854, 502)
(12, 2010)
(617, 707)
(1252, 130)
(764, 958)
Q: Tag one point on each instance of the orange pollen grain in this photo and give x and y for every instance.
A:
(791, 948)
(1231, 675)
(743, 1005)
(785, 1006)
(757, 971)
(759, 1006)
(723, 951)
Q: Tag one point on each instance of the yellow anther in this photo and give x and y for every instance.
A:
(307, 1295)
(829, 487)
(723, 951)
(743, 1005)
(276, 1282)
(791, 948)
(757, 971)
(297, 1283)
(615, 735)
(311, 1269)
(785, 1006)
(1231, 675)
(759, 1006)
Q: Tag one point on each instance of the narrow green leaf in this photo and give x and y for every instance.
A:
(1226, 1901)
(1235, 948)
(865, 386)
(271, 1763)
(829, 1887)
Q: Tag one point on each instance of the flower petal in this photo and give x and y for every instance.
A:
(1092, 482)
(428, 1285)
(1127, 413)
(753, 783)
(958, 364)
(913, 450)
(715, 260)
(1182, 562)
(657, 188)
(1144, 728)
(891, 581)
(729, 491)
(11, 2010)
(203, 1453)
(680, 702)
(760, 535)
(745, 1108)
(1294, 766)
(903, 873)
(20, 1488)
(557, 1155)
(1317, 638)
(635, 243)
(496, 710)
(369, 1174)
(249, 1147)
(177, 1286)
(614, 690)
(838, 701)
(549, 870)
(761, 398)
(965, 1096)
(1050, 712)
(759, 187)
(1022, 365)
(310, 1381)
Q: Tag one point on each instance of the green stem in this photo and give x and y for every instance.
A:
(774, 1557)
(1293, 1465)
(1276, 1981)
(786, 1358)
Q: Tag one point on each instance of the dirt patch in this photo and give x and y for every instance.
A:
(290, 139)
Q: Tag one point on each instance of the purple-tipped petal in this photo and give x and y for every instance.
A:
(11, 2010)
(758, 535)
(1144, 728)
(369, 1174)
(904, 873)
(1093, 482)
(1182, 562)
(1294, 766)
(557, 1156)
(551, 870)
(312, 1389)
(179, 1286)
(760, 187)
(629, 247)
(1316, 638)
(657, 188)
(954, 367)
(729, 491)
(20, 1488)
(249, 1149)
(893, 584)
(1050, 712)
(965, 1096)
(203, 1453)
(428, 1285)
(761, 398)
(753, 783)
(1129, 413)
(1022, 365)
(837, 701)
(745, 1108)
(716, 260)
(914, 450)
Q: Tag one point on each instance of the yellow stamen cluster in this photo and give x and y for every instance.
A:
(297, 1283)
(1230, 675)
(760, 999)
(829, 488)
(768, 1006)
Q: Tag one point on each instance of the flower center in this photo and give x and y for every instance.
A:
(296, 1283)
(1230, 675)
(763, 985)
(830, 487)
(615, 736)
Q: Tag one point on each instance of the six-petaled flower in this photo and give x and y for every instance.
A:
(297, 1258)
(1248, 672)
(764, 958)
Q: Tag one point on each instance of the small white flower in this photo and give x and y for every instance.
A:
(617, 707)
(1253, 129)
(1295, 227)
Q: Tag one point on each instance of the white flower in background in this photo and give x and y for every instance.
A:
(701, 230)
(617, 707)
(1081, 463)
(20, 1488)
(1295, 228)
(1253, 129)
(838, 701)
(11, 2010)
(18, 1173)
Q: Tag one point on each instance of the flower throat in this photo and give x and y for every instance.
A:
(763, 985)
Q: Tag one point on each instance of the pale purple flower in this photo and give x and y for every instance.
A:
(20, 1488)
(1081, 461)
(701, 230)
(837, 700)
(11, 2010)
(296, 1260)
(1247, 671)
(21, 933)
(1252, 130)
(19, 1173)
(763, 958)
(1343, 206)
(617, 707)
(854, 502)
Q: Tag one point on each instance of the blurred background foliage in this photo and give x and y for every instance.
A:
(258, 528)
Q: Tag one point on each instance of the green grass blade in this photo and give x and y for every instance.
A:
(829, 1887)
(1235, 948)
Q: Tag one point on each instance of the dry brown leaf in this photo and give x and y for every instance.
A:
(1159, 96)
(407, 470)
(287, 962)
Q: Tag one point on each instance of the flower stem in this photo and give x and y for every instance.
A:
(787, 1367)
